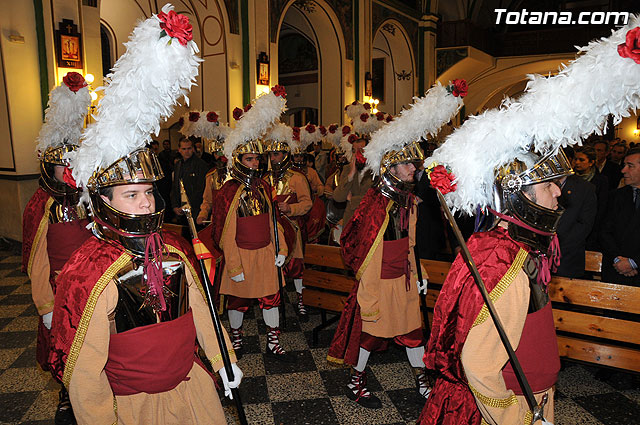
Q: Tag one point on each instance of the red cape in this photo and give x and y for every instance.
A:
(33, 214)
(451, 401)
(79, 285)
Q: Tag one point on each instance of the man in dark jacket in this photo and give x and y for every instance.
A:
(620, 234)
(192, 171)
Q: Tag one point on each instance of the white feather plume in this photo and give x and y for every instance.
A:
(334, 138)
(64, 118)
(204, 128)
(144, 87)
(307, 138)
(345, 145)
(265, 111)
(554, 111)
(370, 125)
(355, 109)
(425, 116)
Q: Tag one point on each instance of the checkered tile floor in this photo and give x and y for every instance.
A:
(309, 392)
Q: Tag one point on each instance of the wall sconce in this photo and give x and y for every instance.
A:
(262, 65)
(368, 84)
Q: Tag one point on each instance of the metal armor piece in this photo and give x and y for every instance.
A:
(220, 177)
(131, 311)
(395, 189)
(252, 202)
(66, 210)
(140, 166)
(242, 173)
(280, 181)
(539, 296)
(410, 153)
(280, 169)
(51, 158)
(394, 230)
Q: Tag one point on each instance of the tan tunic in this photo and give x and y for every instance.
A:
(314, 181)
(299, 185)
(211, 184)
(258, 265)
(352, 190)
(41, 290)
(386, 307)
(194, 401)
(483, 357)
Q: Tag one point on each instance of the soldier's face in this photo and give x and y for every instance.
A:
(276, 157)
(58, 173)
(404, 172)
(250, 160)
(133, 198)
(545, 194)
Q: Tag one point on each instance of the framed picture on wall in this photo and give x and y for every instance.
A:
(377, 78)
(68, 45)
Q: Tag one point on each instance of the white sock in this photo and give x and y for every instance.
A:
(415, 356)
(271, 317)
(363, 358)
(235, 319)
(298, 284)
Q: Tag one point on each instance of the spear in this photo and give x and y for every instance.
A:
(217, 325)
(536, 408)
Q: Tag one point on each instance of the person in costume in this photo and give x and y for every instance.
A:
(131, 287)
(514, 184)
(377, 244)
(293, 198)
(54, 223)
(243, 227)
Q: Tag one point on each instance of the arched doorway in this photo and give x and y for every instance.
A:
(392, 68)
(313, 25)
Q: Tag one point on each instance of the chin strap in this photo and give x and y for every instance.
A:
(547, 262)
(153, 271)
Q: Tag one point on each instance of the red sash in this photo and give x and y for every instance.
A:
(253, 232)
(315, 219)
(395, 260)
(63, 239)
(537, 353)
(152, 359)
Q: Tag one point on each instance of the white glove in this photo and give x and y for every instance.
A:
(546, 422)
(46, 319)
(280, 260)
(237, 377)
(238, 278)
(422, 287)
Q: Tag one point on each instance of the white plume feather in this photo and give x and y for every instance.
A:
(425, 116)
(146, 83)
(334, 138)
(64, 118)
(554, 111)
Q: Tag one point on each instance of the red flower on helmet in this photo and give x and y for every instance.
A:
(352, 138)
(333, 128)
(212, 117)
(296, 133)
(74, 81)
(323, 130)
(364, 117)
(380, 115)
(631, 47)
(366, 106)
(310, 128)
(442, 179)
(237, 113)
(279, 90)
(176, 26)
(68, 178)
(346, 130)
(194, 116)
(389, 118)
(247, 107)
(458, 88)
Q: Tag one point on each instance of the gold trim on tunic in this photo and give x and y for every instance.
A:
(43, 221)
(498, 403)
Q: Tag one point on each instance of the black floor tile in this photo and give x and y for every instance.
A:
(45, 422)
(312, 412)
(304, 363)
(17, 299)
(611, 408)
(30, 311)
(15, 405)
(16, 273)
(393, 354)
(6, 290)
(408, 402)
(4, 321)
(335, 381)
(253, 390)
(17, 339)
(324, 337)
(26, 359)
(10, 266)
(251, 345)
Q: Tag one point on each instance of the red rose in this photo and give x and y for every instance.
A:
(346, 130)
(323, 130)
(631, 47)
(176, 26)
(194, 116)
(380, 115)
(389, 118)
(279, 90)
(247, 107)
(74, 81)
(181, 121)
(366, 106)
(441, 179)
(237, 113)
(296, 133)
(333, 128)
(310, 128)
(352, 139)
(68, 178)
(212, 117)
(459, 88)
(364, 117)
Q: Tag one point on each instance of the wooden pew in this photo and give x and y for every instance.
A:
(596, 322)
